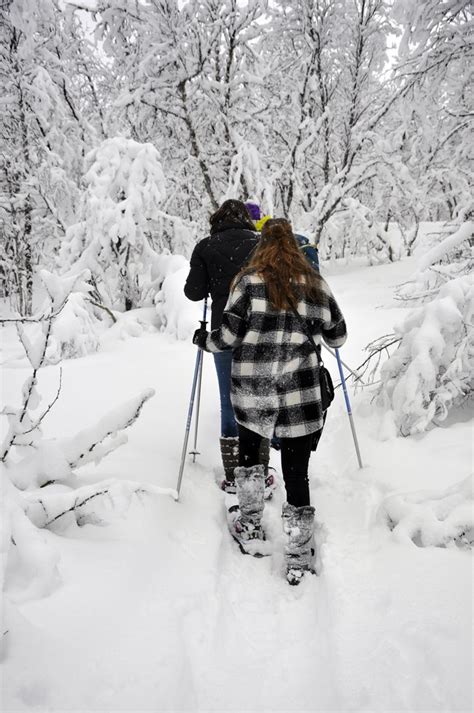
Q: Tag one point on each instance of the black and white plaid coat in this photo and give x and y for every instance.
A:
(275, 372)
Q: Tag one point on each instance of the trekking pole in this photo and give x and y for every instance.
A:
(348, 406)
(197, 369)
(195, 452)
(358, 376)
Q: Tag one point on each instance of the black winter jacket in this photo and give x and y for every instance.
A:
(214, 263)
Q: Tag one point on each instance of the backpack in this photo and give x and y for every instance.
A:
(310, 251)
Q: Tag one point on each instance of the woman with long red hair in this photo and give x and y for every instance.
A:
(276, 303)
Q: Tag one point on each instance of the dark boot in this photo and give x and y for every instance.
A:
(230, 461)
(264, 459)
(264, 454)
(250, 495)
(298, 526)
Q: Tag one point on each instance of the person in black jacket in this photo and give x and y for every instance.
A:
(215, 262)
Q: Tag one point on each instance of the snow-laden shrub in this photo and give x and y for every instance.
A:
(75, 326)
(124, 227)
(432, 519)
(432, 369)
(178, 316)
(447, 258)
(134, 323)
(76, 330)
(41, 488)
(356, 230)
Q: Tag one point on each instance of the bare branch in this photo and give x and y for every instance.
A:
(77, 454)
(101, 306)
(49, 407)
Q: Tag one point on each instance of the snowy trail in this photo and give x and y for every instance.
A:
(256, 626)
(161, 612)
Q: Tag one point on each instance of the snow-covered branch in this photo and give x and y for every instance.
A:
(464, 233)
(432, 519)
(30, 482)
(93, 443)
(90, 504)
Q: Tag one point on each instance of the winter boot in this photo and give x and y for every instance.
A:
(298, 526)
(230, 461)
(264, 459)
(245, 517)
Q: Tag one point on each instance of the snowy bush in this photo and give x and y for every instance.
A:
(76, 327)
(76, 330)
(449, 257)
(355, 231)
(41, 490)
(40, 485)
(432, 369)
(178, 316)
(134, 323)
(122, 233)
(432, 519)
(74, 323)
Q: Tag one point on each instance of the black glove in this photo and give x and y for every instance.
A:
(200, 337)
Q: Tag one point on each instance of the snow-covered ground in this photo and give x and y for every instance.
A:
(161, 612)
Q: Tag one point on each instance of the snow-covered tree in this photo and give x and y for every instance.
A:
(189, 86)
(119, 238)
(306, 107)
(43, 137)
(329, 95)
(426, 152)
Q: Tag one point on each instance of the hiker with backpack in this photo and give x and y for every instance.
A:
(215, 262)
(277, 302)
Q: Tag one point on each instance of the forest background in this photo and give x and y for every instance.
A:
(125, 123)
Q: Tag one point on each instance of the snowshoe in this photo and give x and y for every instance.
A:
(250, 539)
(294, 575)
(298, 527)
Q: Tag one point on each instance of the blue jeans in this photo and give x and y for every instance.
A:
(223, 363)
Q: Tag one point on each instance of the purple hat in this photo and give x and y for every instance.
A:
(254, 210)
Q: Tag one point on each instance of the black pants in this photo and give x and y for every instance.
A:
(295, 453)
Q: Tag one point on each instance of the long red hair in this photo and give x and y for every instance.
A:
(278, 260)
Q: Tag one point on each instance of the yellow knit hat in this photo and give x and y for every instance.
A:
(260, 223)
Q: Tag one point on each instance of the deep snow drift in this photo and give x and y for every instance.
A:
(160, 611)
